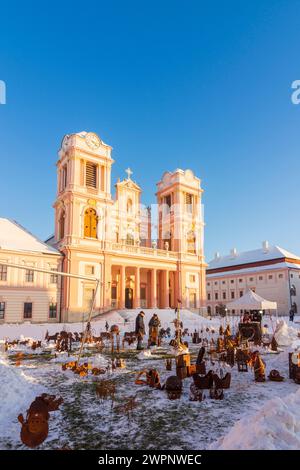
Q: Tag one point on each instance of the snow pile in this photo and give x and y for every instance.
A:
(17, 391)
(285, 335)
(276, 426)
(167, 316)
(146, 354)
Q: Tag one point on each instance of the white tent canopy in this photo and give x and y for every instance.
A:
(251, 301)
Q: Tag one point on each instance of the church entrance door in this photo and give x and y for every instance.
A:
(128, 297)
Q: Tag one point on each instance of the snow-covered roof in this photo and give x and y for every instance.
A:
(267, 267)
(15, 237)
(266, 253)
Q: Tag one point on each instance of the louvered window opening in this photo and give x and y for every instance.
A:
(91, 175)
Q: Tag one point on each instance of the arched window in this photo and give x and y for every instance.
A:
(61, 225)
(90, 223)
(129, 239)
(129, 206)
(209, 310)
(191, 242)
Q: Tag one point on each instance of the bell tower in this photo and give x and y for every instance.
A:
(181, 230)
(82, 206)
(180, 224)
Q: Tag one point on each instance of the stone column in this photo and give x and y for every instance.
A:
(153, 300)
(166, 289)
(122, 286)
(202, 287)
(176, 288)
(137, 288)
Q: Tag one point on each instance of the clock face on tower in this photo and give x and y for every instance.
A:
(92, 140)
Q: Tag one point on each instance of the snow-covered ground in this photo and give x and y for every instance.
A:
(125, 319)
(251, 416)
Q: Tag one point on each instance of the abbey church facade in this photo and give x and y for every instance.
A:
(144, 257)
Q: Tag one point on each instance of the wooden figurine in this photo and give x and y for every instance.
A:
(275, 376)
(258, 366)
(196, 394)
(223, 382)
(173, 387)
(35, 427)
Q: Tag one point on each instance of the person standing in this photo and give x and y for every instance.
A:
(140, 329)
(154, 324)
(292, 314)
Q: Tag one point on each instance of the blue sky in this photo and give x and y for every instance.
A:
(195, 84)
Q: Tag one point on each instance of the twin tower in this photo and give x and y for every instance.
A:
(145, 257)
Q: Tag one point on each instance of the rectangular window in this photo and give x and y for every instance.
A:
(64, 177)
(3, 272)
(232, 281)
(241, 293)
(114, 292)
(260, 278)
(223, 282)
(89, 270)
(216, 296)
(232, 295)
(28, 310)
(216, 283)
(189, 199)
(240, 280)
(208, 284)
(270, 276)
(224, 295)
(53, 277)
(2, 310)
(168, 201)
(208, 296)
(52, 310)
(250, 279)
(280, 276)
(29, 275)
(91, 175)
(192, 278)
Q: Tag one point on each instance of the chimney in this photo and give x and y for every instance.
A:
(265, 246)
(217, 255)
(233, 252)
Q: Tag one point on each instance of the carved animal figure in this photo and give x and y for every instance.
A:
(152, 378)
(196, 394)
(205, 382)
(223, 382)
(129, 338)
(51, 337)
(173, 387)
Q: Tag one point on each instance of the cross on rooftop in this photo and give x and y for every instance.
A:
(129, 173)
